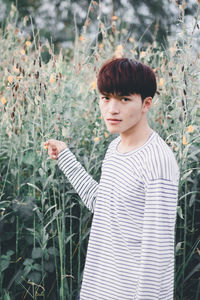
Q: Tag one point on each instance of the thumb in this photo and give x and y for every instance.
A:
(45, 145)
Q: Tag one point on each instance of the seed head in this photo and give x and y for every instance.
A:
(10, 79)
(3, 100)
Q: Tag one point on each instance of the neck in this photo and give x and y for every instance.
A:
(135, 137)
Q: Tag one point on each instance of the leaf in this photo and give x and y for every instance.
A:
(4, 264)
(49, 179)
(178, 246)
(37, 267)
(64, 131)
(50, 209)
(53, 251)
(10, 252)
(195, 269)
(4, 204)
(27, 270)
(29, 158)
(180, 213)
(45, 238)
(35, 277)
(86, 234)
(49, 267)
(28, 261)
(34, 186)
(37, 253)
(183, 178)
(69, 238)
(6, 297)
(55, 214)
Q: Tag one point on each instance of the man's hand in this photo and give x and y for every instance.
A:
(54, 148)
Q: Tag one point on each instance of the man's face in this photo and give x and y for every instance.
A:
(123, 114)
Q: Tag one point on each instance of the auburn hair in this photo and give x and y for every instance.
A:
(123, 76)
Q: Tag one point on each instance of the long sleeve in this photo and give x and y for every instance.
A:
(82, 182)
(157, 248)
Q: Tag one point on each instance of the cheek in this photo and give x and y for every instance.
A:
(134, 114)
(102, 108)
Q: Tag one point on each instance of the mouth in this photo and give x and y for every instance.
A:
(114, 121)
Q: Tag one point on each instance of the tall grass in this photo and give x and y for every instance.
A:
(44, 227)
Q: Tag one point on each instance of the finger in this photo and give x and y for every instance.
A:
(46, 145)
(51, 141)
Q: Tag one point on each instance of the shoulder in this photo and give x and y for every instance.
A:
(112, 146)
(111, 149)
(160, 161)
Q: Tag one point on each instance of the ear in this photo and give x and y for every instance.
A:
(147, 104)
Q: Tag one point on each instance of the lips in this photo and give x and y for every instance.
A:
(114, 121)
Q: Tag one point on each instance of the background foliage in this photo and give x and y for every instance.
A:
(44, 227)
(148, 20)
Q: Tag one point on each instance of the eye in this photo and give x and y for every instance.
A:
(124, 99)
(105, 98)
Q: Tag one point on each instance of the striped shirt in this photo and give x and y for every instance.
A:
(130, 253)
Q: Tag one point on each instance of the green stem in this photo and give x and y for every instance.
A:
(198, 290)
(60, 243)
(71, 254)
(79, 248)
(63, 233)
(1, 277)
(55, 256)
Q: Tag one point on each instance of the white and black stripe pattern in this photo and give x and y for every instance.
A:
(130, 254)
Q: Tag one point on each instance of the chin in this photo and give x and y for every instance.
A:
(113, 130)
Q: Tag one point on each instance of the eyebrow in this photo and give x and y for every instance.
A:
(118, 96)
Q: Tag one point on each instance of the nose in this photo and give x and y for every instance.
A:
(113, 106)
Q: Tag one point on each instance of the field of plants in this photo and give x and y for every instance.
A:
(44, 227)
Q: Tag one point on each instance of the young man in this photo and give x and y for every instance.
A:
(130, 254)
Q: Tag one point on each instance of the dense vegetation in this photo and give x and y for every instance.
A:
(44, 228)
(55, 18)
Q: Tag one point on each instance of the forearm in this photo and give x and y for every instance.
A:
(82, 182)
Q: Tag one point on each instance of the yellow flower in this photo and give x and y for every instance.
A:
(94, 84)
(142, 54)
(10, 79)
(161, 82)
(28, 43)
(119, 48)
(119, 51)
(81, 38)
(173, 50)
(3, 100)
(114, 18)
(96, 139)
(22, 51)
(52, 79)
(101, 45)
(185, 141)
(190, 129)
(106, 134)
(95, 3)
(15, 69)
